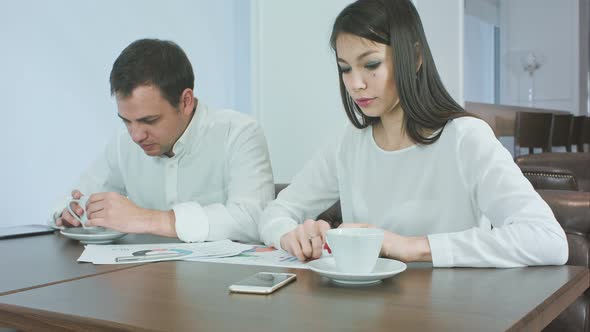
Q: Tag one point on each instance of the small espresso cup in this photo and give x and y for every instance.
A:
(355, 250)
(82, 201)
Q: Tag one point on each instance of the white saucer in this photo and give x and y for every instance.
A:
(96, 235)
(384, 268)
(51, 223)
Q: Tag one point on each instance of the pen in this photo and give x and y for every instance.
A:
(146, 257)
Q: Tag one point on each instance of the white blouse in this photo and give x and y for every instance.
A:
(464, 192)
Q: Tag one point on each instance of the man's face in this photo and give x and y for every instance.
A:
(152, 122)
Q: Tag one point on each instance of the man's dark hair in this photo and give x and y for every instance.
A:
(155, 62)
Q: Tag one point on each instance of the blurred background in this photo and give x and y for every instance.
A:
(267, 58)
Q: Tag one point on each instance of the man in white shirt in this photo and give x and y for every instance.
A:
(181, 170)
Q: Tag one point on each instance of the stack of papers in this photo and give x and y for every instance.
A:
(224, 251)
(140, 253)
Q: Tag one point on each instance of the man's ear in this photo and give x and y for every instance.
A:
(187, 101)
(418, 52)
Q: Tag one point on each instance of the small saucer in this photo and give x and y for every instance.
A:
(51, 223)
(94, 235)
(384, 268)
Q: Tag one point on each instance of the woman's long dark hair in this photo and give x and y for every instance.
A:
(423, 98)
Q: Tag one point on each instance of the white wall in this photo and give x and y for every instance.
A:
(295, 89)
(295, 81)
(479, 60)
(56, 58)
(55, 62)
(443, 23)
(485, 10)
(481, 19)
(584, 57)
(549, 28)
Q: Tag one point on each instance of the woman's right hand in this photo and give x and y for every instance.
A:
(307, 240)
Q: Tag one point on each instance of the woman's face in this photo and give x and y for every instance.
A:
(367, 73)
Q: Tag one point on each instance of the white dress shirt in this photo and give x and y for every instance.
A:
(464, 192)
(218, 181)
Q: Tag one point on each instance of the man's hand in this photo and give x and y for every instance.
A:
(403, 248)
(65, 218)
(307, 240)
(115, 211)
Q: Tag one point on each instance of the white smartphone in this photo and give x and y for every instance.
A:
(262, 283)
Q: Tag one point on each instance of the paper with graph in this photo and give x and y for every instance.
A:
(141, 253)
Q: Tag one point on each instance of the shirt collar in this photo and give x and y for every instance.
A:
(191, 132)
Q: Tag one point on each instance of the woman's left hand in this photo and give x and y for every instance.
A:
(402, 248)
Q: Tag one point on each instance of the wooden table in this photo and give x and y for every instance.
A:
(193, 296)
(502, 117)
(36, 261)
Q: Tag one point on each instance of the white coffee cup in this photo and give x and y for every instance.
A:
(82, 201)
(355, 250)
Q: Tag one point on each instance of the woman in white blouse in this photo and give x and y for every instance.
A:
(414, 163)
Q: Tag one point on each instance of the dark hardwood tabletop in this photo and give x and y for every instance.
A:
(194, 296)
(35, 261)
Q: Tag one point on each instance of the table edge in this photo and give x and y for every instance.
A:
(18, 290)
(546, 312)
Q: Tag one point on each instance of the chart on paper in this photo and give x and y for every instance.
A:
(138, 253)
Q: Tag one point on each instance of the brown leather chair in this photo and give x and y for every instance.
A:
(561, 133)
(581, 132)
(572, 211)
(333, 215)
(550, 178)
(558, 164)
(533, 130)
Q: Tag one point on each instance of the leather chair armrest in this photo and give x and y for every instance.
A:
(572, 211)
(578, 163)
(549, 178)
